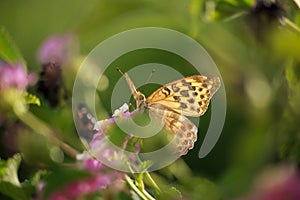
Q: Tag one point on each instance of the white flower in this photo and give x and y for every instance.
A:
(121, 110)
(82, 156)
(99, 124)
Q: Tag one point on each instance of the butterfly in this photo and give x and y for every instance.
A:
(189, 96)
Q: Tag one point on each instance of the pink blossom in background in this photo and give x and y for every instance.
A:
(58, 49)
(106, 151)
(103, 149)
(82, 187)
(92, 164)
(281, 183)
(101, 178)
(14, 76)
(287, 189)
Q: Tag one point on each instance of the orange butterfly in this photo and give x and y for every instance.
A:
(170, 103)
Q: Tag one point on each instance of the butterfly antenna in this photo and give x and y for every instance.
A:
(131, 85)
(118, 69)
(148, 79)
(150, 75)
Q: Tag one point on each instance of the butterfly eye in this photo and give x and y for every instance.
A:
(141, 97)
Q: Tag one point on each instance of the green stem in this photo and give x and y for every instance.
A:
(154, 185)
(235, 16)
(139, 178)
(291, 24)
(40, 127)
(141, 193)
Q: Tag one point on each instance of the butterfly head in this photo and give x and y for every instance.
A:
(140, 100)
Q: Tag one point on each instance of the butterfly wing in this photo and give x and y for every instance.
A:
(189, 96)
(184, 131)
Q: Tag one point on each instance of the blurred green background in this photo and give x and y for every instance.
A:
(257, 55)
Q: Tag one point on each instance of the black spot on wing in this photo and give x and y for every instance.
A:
(191, 100)
(175, 88)
(190, 126)
(184, 93)
(183, 128)
(166, 91)
(176, 98)
(183, 105)
(185, 83)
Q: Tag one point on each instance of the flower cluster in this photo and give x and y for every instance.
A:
(104, 150)
(14, 81)
(102, 177)
(14, 76)
(55, 52)
(58, 49)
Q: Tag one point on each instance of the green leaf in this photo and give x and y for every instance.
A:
(9, 181)
(31, 99)
(170, 193)
(9, 170)
(9, 51)
(12, 191)
(199, 188)
(291, 75)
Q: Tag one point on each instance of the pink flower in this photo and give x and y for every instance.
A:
(287, 188)
(14, 76)
(102, 177)
(88, 186)
(98, 181)
(58, 49)
(100, 144)
(92, 164)
(117, 155)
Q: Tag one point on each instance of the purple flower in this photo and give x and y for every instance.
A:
(102, 126)
(117, 155)
(92, 164)
(82, 187)
(286, 188)
(55, 52)
(137, 147)
(102, 177)
(58, 49)
(14, 76)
